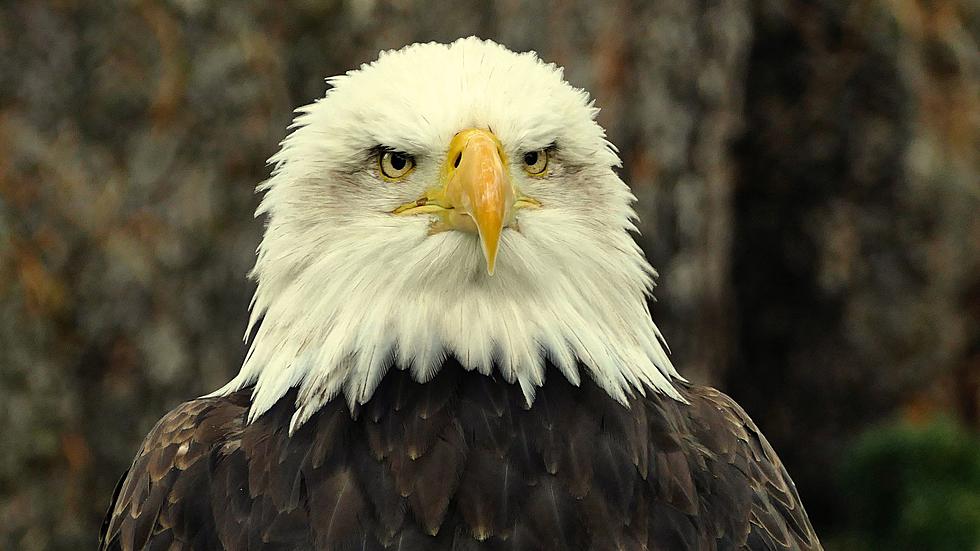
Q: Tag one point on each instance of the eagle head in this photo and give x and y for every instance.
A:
(448, 200)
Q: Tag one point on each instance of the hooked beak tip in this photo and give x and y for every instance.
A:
(490, 241)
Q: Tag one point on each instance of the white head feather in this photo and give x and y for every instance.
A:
(346, 289)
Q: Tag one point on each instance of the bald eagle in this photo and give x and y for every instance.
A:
(451, 346)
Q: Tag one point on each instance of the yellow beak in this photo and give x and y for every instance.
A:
(479, 189)
(476, 193)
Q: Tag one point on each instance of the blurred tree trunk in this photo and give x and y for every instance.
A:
(856, 234)
(677, 119)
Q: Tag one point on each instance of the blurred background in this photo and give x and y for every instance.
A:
(808, 182)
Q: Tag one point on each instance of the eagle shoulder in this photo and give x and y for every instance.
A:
(164, 497)
(739, 471)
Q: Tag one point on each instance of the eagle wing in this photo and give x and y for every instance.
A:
(206, 479)
(739, 472)
(174, 460)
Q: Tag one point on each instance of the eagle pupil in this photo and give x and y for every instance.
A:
(398, 161)
(531, 158)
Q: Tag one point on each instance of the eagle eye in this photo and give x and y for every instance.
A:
(395, 165)
(536, 162)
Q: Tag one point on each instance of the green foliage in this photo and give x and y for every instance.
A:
(914, 487)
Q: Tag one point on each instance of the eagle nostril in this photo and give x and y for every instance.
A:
(459, 157)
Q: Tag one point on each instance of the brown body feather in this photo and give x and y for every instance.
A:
(460, 462)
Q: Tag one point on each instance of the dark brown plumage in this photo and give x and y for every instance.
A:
(459, 463)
